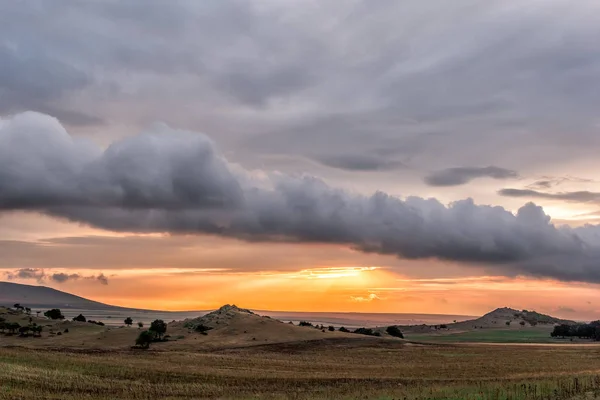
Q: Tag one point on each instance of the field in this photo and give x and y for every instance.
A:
(323, 369)
(524, 335)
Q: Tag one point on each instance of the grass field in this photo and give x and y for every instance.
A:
(526, 335)
(324, 369)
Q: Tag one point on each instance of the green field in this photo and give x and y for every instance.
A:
(526, 335)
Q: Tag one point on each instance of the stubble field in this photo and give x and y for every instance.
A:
(337, 368)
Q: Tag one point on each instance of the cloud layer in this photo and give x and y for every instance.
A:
(177, 182)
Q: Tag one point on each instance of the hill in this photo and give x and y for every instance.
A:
(45, 297)
(500, 318)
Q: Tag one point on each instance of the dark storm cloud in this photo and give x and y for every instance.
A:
(462, 175)
(582, 196)
(178, 182)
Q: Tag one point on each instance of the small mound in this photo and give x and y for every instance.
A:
(221, 317)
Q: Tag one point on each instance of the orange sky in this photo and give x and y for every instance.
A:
(204, 272)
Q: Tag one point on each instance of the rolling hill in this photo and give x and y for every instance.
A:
(42, 296)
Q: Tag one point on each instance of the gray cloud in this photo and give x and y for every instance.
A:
(443, 91)
(578, 196)
(359, 162)
(41, 276)
(548, 182)
(177, 182)
(27, 273)
(62, 277)
(462, 175)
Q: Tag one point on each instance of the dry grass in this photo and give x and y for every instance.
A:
(333, 368)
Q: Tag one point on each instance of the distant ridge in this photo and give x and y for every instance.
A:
(42, 296)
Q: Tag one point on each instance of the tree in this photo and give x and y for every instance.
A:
(37, 330)
(18, 307)
(522, 323)
(80, 318)
(128, 321)
(394, 331)
(12, 327)
(331, 328)
(28, 310)
(159, 328)
(144, 339)
(24, 331)
(140, 325)
(305, 323)
(55, 313)
(343, 329)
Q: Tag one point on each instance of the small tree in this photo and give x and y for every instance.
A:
(55, 313)
(394, 331)
(343, 329)
(159, 328)
(80, 318)
(140, 325)
(28, 310)
(331, 328)
(128, 321)
(305, 323)
(144, 339)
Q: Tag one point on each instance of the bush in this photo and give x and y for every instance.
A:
(144, 339)
(507, 323)
(305, 323)
(366, 331)
(342, 329)
(80, 318)
(331, 328)
(394, 331)
(522, 323)
(443, 326)
(128, 321)
(202, 329)
(55, 313)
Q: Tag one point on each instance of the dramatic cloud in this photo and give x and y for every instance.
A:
(578, 197)
(413, 78)
(177, 182)
(462, 175)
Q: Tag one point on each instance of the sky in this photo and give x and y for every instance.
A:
(389, 156)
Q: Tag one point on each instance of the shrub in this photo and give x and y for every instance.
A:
(342, 329)
(394, 331)
(366, 331)
(80, 318)
(443, 326)
(507, 323)
(55, 313)
(331, 328)
(522, 323)
(140, 325)
(305, 323)
(144, 339)
(202, 329)
(128, 321)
